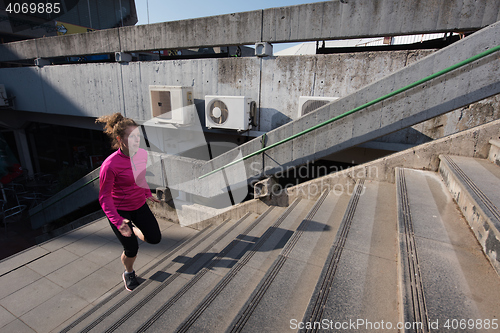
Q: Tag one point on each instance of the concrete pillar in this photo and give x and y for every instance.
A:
(23, 151)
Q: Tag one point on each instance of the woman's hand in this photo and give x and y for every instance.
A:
(125, 229)
(153, 199)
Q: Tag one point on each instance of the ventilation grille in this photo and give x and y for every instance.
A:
(218, 112)
(312, 105)
(161, 103)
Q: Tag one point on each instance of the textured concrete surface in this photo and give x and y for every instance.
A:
(367, 268)
(230, 297)
(473, 183)
(494, 155)
(293, 276)
(453, 267)
(50, 283)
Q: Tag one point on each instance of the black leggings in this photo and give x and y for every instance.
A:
(143, 219)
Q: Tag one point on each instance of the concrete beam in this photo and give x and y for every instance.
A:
(357, 18)
(222, 30)
(25, 49)
(316, 21)
(95, 42)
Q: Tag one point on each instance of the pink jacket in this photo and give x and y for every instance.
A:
(122, 184)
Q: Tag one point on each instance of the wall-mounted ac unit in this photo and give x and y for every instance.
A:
(172, 104)
(310, 103)
(229, 112)
(3, 96)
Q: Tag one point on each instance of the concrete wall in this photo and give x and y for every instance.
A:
(275, 83)
(286, 78)
(336, 19)
(91, 90)
(61, 90)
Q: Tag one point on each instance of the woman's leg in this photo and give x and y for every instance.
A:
(130, 245)
(146, 226)
(128, 262)
(129, 254)
(138, 233)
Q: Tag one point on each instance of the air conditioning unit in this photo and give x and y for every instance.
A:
(230, 112)
(310, 103)
(172, 104)
(3, 96)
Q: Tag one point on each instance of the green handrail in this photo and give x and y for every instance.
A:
(396, 92)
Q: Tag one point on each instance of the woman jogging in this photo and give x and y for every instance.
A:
(123, 192)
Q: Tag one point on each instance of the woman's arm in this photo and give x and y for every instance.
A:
(125, 229)
(140, 163)
(106, 181)
(152, 198)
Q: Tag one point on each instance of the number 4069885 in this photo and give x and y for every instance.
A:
(33, 8)
(471, 324)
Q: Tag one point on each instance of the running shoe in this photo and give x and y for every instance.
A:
(130, 281)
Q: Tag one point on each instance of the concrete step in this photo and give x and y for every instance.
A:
(474, 185)
(237, 284)
(244, 291)
(359, 278)
(446, 281)
(171, 280)
(173, 289)
(266, 248)
(285, 290)
(155, 275)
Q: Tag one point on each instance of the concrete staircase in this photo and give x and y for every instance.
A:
(383, 257)
(455, 89)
